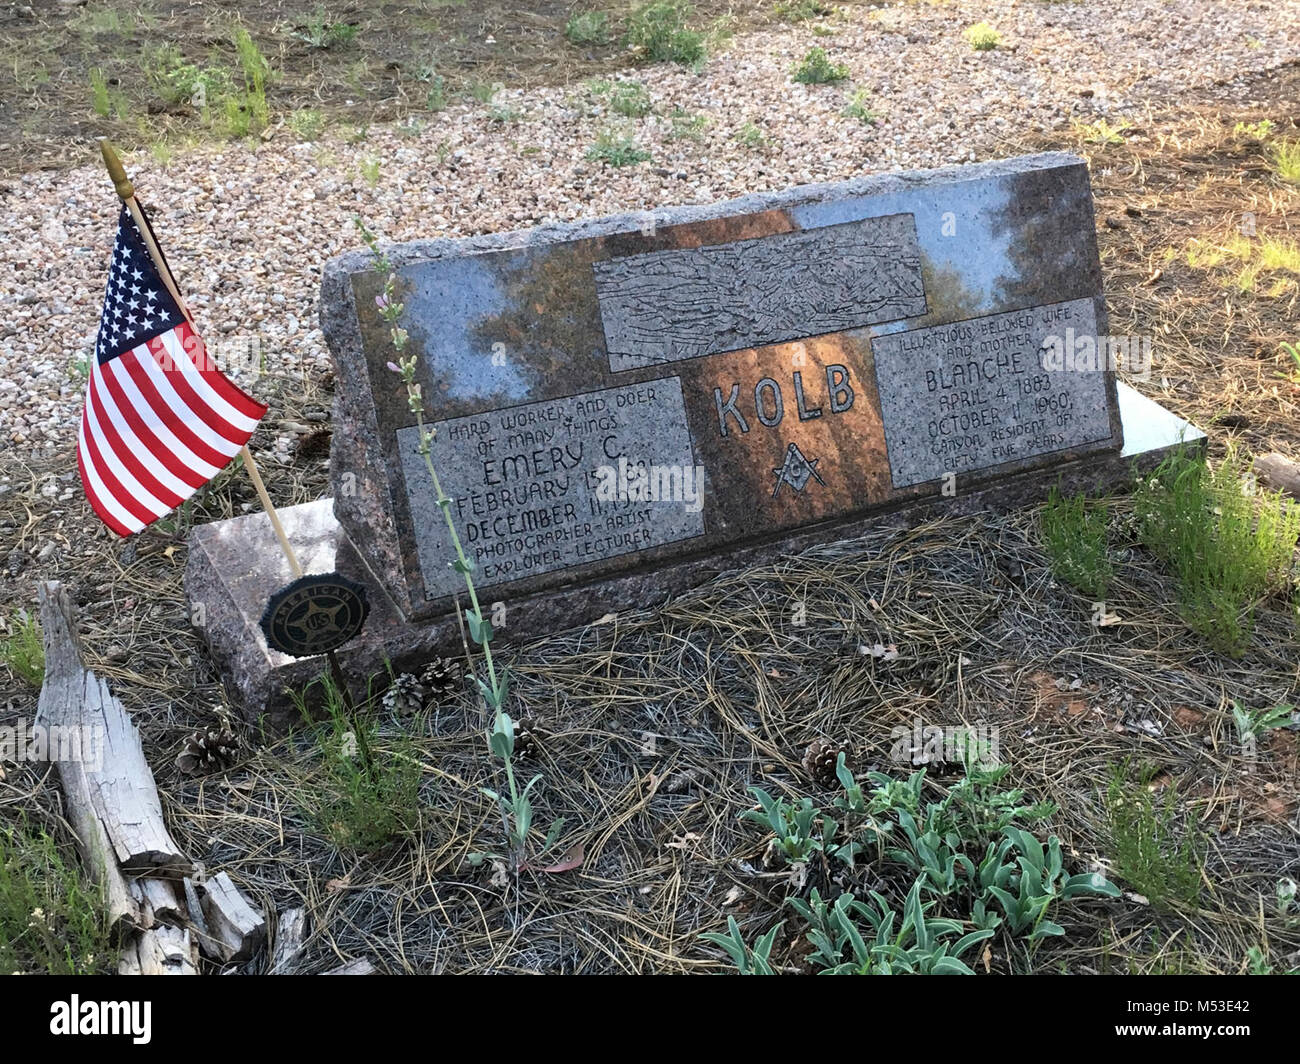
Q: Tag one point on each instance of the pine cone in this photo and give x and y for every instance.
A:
(442, 677)
(208, 750)
(313, 445)
(405, 695)
(527, 738)
(820, 759)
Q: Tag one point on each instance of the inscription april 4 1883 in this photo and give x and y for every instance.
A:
(975, 394)
(548, 485)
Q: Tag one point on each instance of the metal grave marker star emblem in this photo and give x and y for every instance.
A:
(796, 471)
(315, 614)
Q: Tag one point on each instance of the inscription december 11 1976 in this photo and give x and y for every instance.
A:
(548, 485)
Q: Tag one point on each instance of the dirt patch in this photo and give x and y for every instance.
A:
(344, 64)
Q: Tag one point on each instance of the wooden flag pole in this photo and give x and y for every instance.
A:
(126, 191)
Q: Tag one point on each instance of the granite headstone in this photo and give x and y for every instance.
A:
(626, 406)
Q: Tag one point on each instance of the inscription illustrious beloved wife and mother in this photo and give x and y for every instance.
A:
(613, 396)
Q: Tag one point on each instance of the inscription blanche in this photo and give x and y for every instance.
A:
(530, 486)
(664, 306)
(979, 393)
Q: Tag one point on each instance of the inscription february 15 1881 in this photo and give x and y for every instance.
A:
(549, 485)
(976, 394)
(665, 306)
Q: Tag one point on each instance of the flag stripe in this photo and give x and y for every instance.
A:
(239, 400)
(139, 499)
(167, 405)
(124, 507)
(100, 500)
(153, 435)
(151, 473)
(221, 415)
(135, 381)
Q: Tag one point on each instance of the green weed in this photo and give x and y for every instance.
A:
(23, 652)
(1227, 545)
(1158, 855)
(815, 68)
(1074, 534)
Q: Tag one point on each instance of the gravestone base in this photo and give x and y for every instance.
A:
(235, 565)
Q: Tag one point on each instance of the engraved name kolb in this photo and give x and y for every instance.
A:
(768, 400)
(530, 485)
(976, 394)
(665, 306)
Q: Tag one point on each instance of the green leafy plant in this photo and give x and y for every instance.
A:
(307, 124)
(615, 149)
(921, 945)
(751, 136)
(23, 651)
(52, 917)
(370, 168)
(246, 109)
(1228, 545)
(1028, 886)
(686, 126)
(630, 99)
(321, 33)
(747, 961)
(99, 92)
(799, 828)
(801, 10)
(970, 864)
(1074, 534)
(1292, 351)
(816, 68)
(1286, 160)
(858, 108)
(1252, 723)
(587, 27)
(1153, 851)
(515, 804)
(661, 32)
(1101, 131)
(982, 37)
(1260, 130)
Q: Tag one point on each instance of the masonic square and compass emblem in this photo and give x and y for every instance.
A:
(796, 471)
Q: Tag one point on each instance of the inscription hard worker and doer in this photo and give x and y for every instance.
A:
(527, 482)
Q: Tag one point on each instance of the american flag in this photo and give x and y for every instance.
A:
(160, 419)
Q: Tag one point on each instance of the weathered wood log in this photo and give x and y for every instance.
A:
(1279, 472)
(160, 951)
(114, 787)
(160, 902)
(234, 928)
(290, 933)
(360, 966)
(62, 693)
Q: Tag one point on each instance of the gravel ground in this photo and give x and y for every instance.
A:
(247, 228)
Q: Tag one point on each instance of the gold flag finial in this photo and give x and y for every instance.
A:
(115, 170)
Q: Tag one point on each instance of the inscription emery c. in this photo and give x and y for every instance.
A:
(975, 394)
(525, 483)
(665, 306)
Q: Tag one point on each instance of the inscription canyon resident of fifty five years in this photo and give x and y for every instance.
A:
(615, 394)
